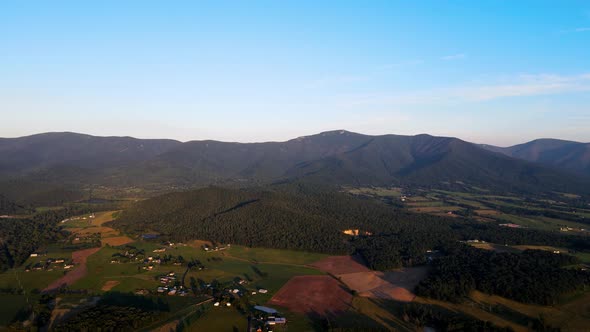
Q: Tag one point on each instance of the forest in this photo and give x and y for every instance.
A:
(312, 219)
(533, 276)
(8, 207)
(21, 237)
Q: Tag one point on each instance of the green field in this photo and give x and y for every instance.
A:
(262, 268)
(34, 280)
(10, 305)
(376, 191)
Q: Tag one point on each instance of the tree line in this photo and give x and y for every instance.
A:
(533, 276)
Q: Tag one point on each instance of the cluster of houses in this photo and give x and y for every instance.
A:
(87, 238)
(91, 216)
(172, 244)
(232, 293)
(49, 264)
(264, 318)
(135, 255)
(510, 225)
(213, 248)
(131, 254)
(171, 286)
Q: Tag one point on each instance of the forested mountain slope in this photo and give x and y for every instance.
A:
(566, 155)
(54, 150)
(432, 161)
(334, 158)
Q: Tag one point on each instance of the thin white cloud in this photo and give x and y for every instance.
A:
(516, 86)
(581, 29)
(528, 85)
(454, 57)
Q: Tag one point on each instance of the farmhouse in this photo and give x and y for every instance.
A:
(511, 225)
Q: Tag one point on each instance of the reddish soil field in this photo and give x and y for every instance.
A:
(109, 285)
(313, 295)
(79, 257)
(392, 285)
(338, 265)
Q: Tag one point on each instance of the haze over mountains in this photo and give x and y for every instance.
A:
(568, 155)
(335, 158)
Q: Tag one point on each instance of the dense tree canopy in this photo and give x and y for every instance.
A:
(20, 237)
(305, 218)
(533, 276)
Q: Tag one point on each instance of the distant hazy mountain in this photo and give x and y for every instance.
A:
(53, 150)
(335, 157)
(567, 155)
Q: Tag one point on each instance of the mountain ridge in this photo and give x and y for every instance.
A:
(561, 154)
(337, 157)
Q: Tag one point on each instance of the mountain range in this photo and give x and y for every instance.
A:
(567, 155)
(334, 158)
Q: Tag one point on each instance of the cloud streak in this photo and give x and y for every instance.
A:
(517, 86)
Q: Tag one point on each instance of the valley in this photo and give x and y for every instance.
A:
(120, 260)
(315, 251)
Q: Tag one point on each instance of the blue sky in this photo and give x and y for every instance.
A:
(497, 72)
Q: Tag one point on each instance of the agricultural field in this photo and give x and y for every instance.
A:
(572, 315)
(556, 214)
(584, 257)
(341, 289)
(88, 225)
(262, 269)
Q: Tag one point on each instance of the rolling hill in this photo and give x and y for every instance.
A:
(333, 158)
(565, 155)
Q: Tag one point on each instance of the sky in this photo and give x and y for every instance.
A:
(495, 72)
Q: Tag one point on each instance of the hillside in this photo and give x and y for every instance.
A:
(435, 161)
(333, 158)
(309, 218)
(566, 155)
(52, 151)
(39, 194)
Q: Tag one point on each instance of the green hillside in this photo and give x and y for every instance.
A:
(304, 217)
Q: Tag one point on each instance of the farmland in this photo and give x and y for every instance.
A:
(263, 269)
(206, 285)
(555, 214)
